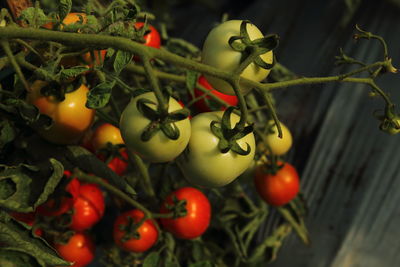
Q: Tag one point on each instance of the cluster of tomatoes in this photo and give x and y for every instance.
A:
(195, 150)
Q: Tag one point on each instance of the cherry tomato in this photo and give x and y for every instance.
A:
(151, 39)
(198, 216)
(88, 207)
(159, 148)
(71, 118)
(278, 146)
(56, 207)
(79, 250)
(203, 164)
(280, 188)
(218, 53)
(147, 232)
(202, 104)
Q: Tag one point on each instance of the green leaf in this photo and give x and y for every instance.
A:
(34, 16)
(191, 81)
(10, 258)
(99, 96)
(67, 74)
(18, 237)
(201, 264)
(152, 260)
(7, 133)
(25, 187)
(122, 58)
(64, 8)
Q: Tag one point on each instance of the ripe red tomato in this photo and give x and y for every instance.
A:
(202, 105)
(280, 188)
(198, 216)
(56, 207)
(71, 117)
(88, 207)
(152, 39)
(79, 249)
(148, 233)
(117, 164)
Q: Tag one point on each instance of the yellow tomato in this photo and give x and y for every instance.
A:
(279, 146)
(106, 133)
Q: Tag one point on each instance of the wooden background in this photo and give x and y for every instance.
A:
(349, 169)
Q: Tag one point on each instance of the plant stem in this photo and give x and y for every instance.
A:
(148, 187)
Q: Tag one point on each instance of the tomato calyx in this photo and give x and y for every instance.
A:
(228, 136)
(253, 48)
(177, 208)
(160, 120)
(390, 121)
(130, 229)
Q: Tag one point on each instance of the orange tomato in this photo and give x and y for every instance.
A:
(71, 118)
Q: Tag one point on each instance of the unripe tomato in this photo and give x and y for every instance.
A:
(88, 207)
(79, 250)
(197, 218)
(151, 39)
(148, 233)
(106, 133)
(203, 163)
(279, 146)
(159, 148)
(202, 105)
(280, 188)
(71, 118)
(217, 53)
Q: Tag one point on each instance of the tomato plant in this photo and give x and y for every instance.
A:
(88, 208)
(139, 238)
(79, 249)
(202, 104)
(159, 148)
(71, 118)
(218, 53)
(280, 188)
(203, 163)
(197, 218)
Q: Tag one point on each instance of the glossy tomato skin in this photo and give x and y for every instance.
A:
(52, 208)
(153, 38)
(279, 146)
(148, 233)
(203, 164)
(217, 53)
(159, 148)
(80, 249)
(198, 216)
(280, 188)
(71, 118)
(88, 207)
(106, 133)
(202, 105)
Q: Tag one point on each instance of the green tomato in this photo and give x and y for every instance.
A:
(159, 148)
(203, 164)
(279, 146)
(218, 53)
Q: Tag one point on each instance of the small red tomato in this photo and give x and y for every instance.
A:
(152, 38)
(79, 250)
(88, 207)
(119, 165)
(147, 232)
(202, 105)
(197, 218)
(56, 207)
(280, 188)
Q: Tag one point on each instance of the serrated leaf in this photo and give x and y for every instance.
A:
(7, 133)
(191, 81)
(10, 258)
(33, 16)
(23, 187)
(99, 96)
(122, 58)
(64, 8)
(18, 237)
(67, 74)
(152, 260)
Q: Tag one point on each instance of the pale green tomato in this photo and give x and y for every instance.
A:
(218, 53)
(159, 148)
(279, 146)
(203, 164)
